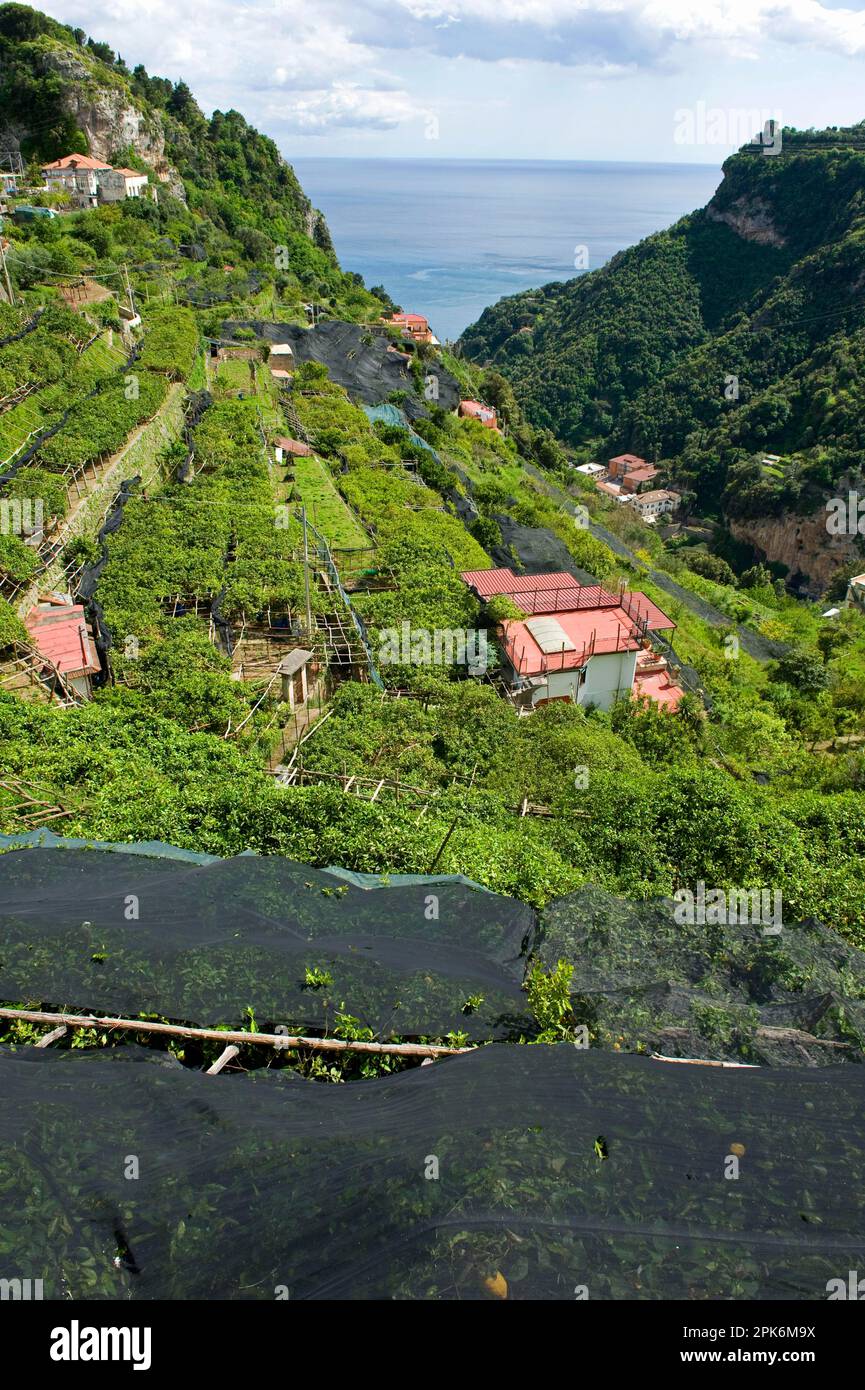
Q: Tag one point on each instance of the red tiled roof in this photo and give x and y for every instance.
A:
(632, 460)
(76, 161)
(635, 476)
(59, 632)
(131, 173)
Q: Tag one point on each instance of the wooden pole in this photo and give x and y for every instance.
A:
(277, 1040)
(224, 1057)
(442, 847)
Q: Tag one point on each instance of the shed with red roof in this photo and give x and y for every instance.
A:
(60, 633)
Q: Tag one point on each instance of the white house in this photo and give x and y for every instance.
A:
(91, 181)
(581, 643)
(651, 505)
(78, 175)
(134, 181)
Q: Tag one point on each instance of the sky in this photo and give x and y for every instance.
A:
(645, 80)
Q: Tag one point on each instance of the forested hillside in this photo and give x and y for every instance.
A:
(739, 330)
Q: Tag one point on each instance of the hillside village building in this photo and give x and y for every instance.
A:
(414, 326)
(622, 464)
(476, 410)
(651, 505)
(856, 592)
(90, 182)
(59, 631)
(578, 642)
(639, 479)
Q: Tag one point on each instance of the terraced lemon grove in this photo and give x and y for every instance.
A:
(177, 750)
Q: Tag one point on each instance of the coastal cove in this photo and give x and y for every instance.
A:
(449, 237)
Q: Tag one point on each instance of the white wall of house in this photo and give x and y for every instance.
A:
(80, 184)
(560, 685)
(608, 677)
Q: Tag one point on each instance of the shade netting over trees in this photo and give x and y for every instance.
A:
(295, 945)
(519, 1172)
(726, 991)
(205, 941)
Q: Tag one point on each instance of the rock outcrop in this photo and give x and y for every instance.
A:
(802, 543)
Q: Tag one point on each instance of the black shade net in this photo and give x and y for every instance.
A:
(731, 991)
(203, 944)
(522, 1172)
(84, 929)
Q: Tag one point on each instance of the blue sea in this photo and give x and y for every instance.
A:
(448, 237)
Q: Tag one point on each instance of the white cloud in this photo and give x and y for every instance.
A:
(313, 66)
(725, 21)
(316, 112)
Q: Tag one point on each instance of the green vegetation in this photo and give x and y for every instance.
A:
(761, 787)
(709, 343)
(315, 489)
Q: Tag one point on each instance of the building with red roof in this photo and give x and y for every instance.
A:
(91, 181)
(476, 410)
(578, 642)
(413, 326)
(623, 464)
(284, 444)
(638, 479)
(60, 633)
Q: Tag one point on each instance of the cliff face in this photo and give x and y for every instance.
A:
(802, 543)
(108, 117)
(750, 219)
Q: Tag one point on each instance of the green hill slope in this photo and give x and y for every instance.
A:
(226, 197)
(764, 285)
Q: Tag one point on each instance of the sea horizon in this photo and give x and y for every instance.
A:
(448, 237)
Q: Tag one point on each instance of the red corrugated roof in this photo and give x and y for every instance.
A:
(559, 592)
(491, 581)
(59, 633)
(504, 581)
(293, 446)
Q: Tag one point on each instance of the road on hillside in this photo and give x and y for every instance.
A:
(760, 648)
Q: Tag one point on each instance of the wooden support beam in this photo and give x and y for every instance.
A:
(224, 1057)
(277, 1040)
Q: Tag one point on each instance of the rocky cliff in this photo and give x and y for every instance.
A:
(803, 544)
